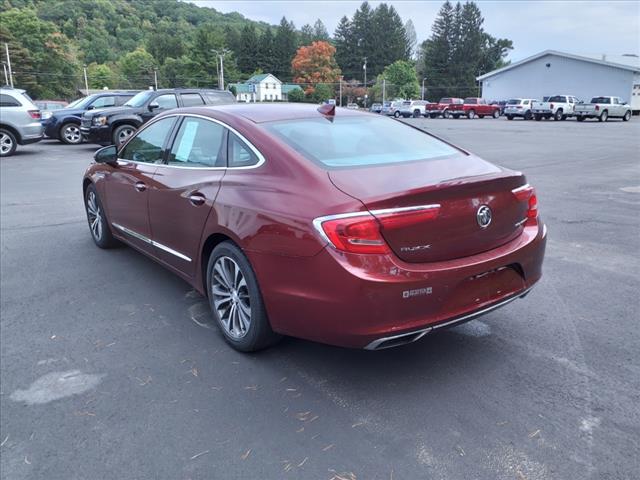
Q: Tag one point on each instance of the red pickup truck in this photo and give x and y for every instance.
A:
(473, 107)
(434, 110)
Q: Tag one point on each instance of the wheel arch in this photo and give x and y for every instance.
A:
(14, 132)
(211, 242)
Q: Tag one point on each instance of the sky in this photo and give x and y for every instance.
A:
(578, 27)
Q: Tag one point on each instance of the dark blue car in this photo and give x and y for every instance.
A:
(64, 124)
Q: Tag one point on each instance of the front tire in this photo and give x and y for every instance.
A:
(236, 301)
(98, 224)
(416, 114)
(496, 113)
(528, 115)
(8, 143)
(396, 114)
(70, 134)
(122, 134)
(471, 114)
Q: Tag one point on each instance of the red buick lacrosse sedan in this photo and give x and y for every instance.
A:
(328, 224)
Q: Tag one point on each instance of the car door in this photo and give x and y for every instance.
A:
(128, 185)
(618, 107)
(160, 104)
(185, 188)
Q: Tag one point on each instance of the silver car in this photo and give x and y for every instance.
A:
(519, 107)
(19, 120)
(392, 108)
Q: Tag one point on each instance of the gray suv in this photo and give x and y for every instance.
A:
(19, 120)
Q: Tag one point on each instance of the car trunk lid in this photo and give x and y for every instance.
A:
(458, 187)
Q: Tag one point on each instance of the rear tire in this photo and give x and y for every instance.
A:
(496, 113)
(416, 114)
(98, 223)
(396, 114)
(471, 114)
(604, 116)
(70, 134)
(509, 117)
(528, 115)
(627, 116)
(558, 115)
(8, 143)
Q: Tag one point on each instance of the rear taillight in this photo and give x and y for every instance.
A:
(527, 193)
(35, 114)
(551, 106)
(360, 232)
(597, 107)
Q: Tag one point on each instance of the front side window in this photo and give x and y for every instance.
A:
(239, 153)
(199, 143)
(358, 141)
(104, 102)
(166, 101)
(191, 99)
(148, 145)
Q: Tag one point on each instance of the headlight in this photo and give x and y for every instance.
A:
(99, 120)
(46, 115)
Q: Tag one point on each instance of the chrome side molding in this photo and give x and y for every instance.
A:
(141, 237)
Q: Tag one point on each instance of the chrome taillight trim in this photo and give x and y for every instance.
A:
(526, 186)
(317, 222)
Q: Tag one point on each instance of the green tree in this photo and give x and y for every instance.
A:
(346, 55)
(401, 81)
(166, 42)
(321, 92)
(137, 68)
(248, 50)
(296, 95)
(100, 76)
(264, 58)
(437, 52)
(284, 48)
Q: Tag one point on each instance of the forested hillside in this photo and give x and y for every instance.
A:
(126, 43)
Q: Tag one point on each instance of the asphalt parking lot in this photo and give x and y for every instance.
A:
(111, 367)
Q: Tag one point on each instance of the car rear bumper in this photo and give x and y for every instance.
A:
(100, 135)
(31, 133)
(371, 301)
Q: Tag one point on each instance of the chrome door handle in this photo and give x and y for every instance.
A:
(141, 187)
(197, 199)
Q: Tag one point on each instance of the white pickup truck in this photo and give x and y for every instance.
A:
(558, 107)
(603, 108)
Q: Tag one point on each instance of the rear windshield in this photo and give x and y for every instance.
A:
(358, 141)
(471, 101)
(601, 100)
(558, 98)
(514, 101)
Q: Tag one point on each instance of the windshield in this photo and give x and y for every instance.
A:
(514, 101)
(75, 103)
(358, 141)
(139, 99)
(600, 100)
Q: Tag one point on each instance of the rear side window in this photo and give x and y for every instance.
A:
(191, 99)
(218, 98)
(199, 143)
(122, 99)
(148, 145)
(104, 102)
(166, 101)
(8, 101)
(240, 155)
(358, 141)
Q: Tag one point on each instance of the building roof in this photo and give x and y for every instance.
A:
(560, 54)
(242, 87)
(259, 78)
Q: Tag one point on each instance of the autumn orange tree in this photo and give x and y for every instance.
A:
(314, 64)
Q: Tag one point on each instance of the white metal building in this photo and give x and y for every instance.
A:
(557, 73)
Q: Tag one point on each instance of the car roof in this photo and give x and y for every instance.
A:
(260, 112)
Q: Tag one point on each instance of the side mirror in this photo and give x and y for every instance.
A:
(108, 155)
(153, 106)
(90, 107)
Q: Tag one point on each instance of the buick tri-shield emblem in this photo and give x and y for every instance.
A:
(483, 216)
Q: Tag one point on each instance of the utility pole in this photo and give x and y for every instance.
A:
(341, 77)
(423, 88)
(6, 78)
(384, 90)
(220, 54)
(6, 47)
(155, 78)
(86, 82)
(365, 81)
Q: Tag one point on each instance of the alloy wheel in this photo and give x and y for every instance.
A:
(95, 216)
(71, 134)
(124, 134)
(230, 294)
(6, 143)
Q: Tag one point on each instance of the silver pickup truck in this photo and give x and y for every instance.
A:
(558, 107)
(603, 108)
